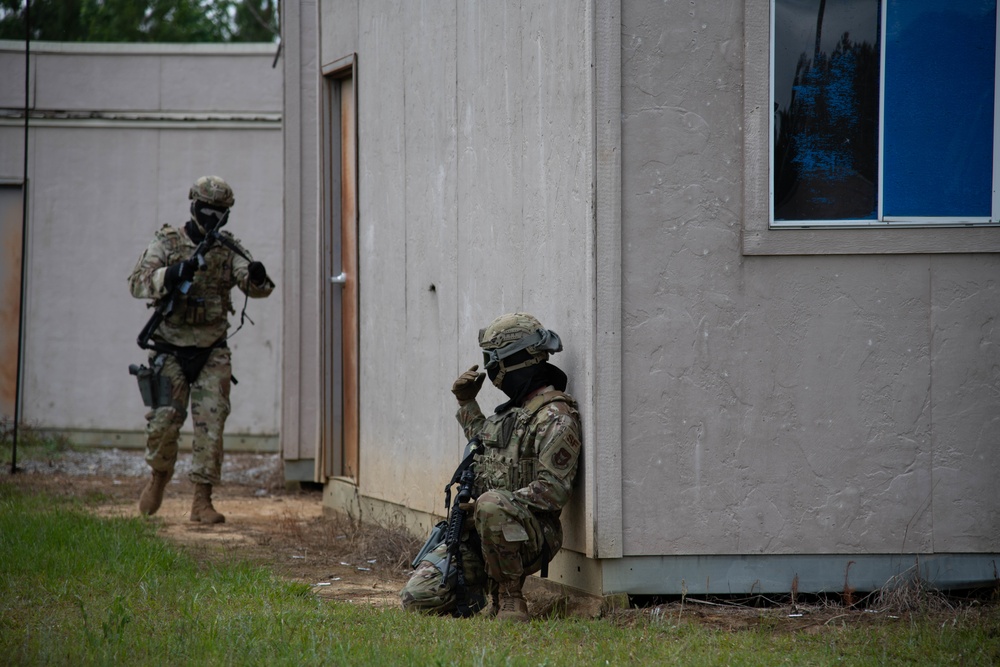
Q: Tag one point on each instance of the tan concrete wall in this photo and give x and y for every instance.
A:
(118, 133)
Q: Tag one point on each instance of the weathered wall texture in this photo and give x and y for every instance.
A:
(475, 141)
(118, 133)
(800, 404)
(301, 409)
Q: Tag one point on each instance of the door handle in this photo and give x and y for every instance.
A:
(339, 280)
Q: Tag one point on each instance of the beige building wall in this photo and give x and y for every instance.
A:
(823, 400)
(301, 410)
(475, 197)
(799, 393)
(757, 405)
(116, 136)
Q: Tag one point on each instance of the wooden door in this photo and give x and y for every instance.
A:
(338, 451)
(11, 223)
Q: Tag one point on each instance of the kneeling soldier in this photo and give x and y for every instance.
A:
(523, 474)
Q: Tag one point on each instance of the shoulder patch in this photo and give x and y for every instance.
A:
(562, 458)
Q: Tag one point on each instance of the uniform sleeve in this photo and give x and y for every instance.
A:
(471, 418)
(147, 278)
(558, 445)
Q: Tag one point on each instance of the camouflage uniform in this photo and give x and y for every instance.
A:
(198, 323)
(524, 477)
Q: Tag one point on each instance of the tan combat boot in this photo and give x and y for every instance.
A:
(202, 509)
(152, 495)
(513, 606)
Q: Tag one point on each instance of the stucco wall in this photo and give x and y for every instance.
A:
(118, 133)
(475, 148)
(799, 404)
(802, 404)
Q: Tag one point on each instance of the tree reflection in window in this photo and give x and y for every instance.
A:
(826, 138)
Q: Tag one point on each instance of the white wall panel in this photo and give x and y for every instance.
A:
(100, 185)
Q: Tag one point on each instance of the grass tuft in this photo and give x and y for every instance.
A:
(907, 592)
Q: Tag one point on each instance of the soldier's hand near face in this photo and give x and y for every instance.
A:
(468, 384)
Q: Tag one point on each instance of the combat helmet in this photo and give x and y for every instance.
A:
(510, 334)
(210, 198)
(212, 190)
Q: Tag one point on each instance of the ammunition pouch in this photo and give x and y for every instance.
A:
(155, 387)
(194, 310)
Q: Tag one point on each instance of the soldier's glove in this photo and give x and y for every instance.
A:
(469, 508)
(180, 272)
(258, 274)
(468, 385)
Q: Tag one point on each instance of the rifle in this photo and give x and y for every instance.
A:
(165, 306)
(465, 477)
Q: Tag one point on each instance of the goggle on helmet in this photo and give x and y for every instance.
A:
(539, 345)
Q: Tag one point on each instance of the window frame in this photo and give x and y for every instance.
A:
(762, 237)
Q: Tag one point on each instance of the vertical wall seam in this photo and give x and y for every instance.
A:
(607, 445)
(930, 389)
(402, 150)
(455, 349)
(523, 137)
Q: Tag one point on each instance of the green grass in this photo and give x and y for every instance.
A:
(80, 590)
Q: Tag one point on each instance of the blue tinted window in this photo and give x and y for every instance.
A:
(939, 71)
(826, 88)
(866, 133)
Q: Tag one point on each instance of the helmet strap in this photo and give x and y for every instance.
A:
(531, 361)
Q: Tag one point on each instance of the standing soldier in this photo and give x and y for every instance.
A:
(189, 355)
(523, 475)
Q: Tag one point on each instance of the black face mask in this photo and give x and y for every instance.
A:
(521, 382)
(193, 231)
(207, 216)
(493, 370)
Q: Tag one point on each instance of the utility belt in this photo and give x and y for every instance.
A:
(155, 387)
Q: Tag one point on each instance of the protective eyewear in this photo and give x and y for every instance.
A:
(542, 340)
(217, 213)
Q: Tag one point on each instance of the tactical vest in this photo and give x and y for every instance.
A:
(202, 315)
(509, 460)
